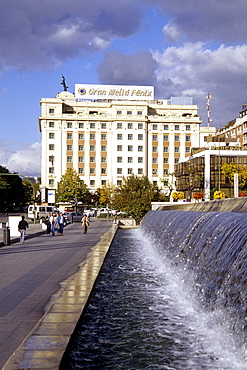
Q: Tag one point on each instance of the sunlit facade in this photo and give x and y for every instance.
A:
(105, 140)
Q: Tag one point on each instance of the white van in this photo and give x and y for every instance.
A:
(40, 211)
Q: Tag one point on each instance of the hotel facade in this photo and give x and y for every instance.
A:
(107, 133)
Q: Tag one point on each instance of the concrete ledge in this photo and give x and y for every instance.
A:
(44, 347)
(220, 205)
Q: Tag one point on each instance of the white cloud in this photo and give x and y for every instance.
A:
(25, 160)
(194, 69)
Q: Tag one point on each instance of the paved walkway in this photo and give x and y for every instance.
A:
(44, 285)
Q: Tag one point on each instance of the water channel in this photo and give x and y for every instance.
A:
(171, 295)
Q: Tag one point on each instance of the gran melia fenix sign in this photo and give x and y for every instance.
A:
(123, 92)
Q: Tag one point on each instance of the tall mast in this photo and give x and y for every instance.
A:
(208, 97)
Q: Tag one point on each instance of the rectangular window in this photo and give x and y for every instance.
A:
(155, 149)
(51, 135)
(92, 148)
(103, 182)
(103, 159)
(129, 112)
(103, 125)
(51, 169)
(187, 149)
(81, 147)
(51, 182)
(140, 148)
(176, 127)
(119, 182)
(81, 159)
(103, 136)
(92, 159)
(165, 171)
(51, 110)
(140, 171)
(92, 136)
(130, 148)
(140, 136)
(92, 125)
(119, 159)
(176, 160)
(187, 127)
(140, 126)
(69, 136)
(81, 124)
(130, 137)
(103, 148)
(176, 149)
(119, 136)
(81, 170)
(92, 182)
(155, 160)
(140, 159)
(154, 171)
(165, 149)
(187, 138)
(69, 147)
(166, 127)
(69, 124)
(139, 113)
(130, 159)
(165, 160)
(69, 158)
(51, 124)
(51, 158)
(81, 136)
(155, 127)
(92, 171)
(176, 138)
(155, 137)
(119, 125)
(119, 112)
(119, 171)
(130, 171)
(165, 137)
(51, 147)
(103, 171)
(119, 148)
(130, 125)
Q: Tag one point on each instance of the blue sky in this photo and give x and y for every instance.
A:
(183, 49)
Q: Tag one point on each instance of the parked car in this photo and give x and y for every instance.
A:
(105, 211)
(74, 217)
(92, 212)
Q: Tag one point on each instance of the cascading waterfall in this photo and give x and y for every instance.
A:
(171, 295)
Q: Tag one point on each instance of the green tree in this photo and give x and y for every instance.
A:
(229, 169)
(71, 187)
(11, 190)
(106, 194)
(135, 195)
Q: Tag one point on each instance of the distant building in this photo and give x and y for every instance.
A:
(109, 132)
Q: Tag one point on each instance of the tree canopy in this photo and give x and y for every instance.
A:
(11, 190)
(71, 187)
(135, 195)
(229, 169)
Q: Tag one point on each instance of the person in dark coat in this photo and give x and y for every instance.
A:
(22, 226)
(48, 224)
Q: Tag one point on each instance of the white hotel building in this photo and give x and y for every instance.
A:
(109, 132)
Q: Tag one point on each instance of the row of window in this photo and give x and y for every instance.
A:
(120, 148)
(120, 137)
(155, 126)
(119, 171)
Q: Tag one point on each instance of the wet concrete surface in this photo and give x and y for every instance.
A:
(44, 286)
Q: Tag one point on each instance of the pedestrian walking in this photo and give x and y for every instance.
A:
(22, 226)
(53, 221)
(60, 223)
(85, 223)
(48, 224)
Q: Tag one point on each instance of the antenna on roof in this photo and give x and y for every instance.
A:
(208, 97)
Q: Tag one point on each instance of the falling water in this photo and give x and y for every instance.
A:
(171, 295)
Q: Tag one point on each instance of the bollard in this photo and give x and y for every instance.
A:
(6, 235)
